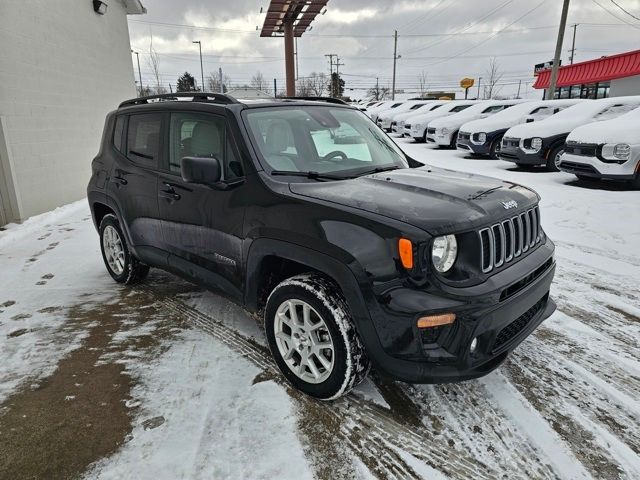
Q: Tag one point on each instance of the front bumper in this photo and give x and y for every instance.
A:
(443, 354)
(593, 167)
(517, 155)
(464, 143)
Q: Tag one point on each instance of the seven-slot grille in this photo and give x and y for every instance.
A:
(509, 239)
(464, 137)
(510, 142)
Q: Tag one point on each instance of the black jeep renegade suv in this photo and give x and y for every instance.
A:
(307, 211)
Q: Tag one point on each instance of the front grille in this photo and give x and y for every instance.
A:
(431, 131)
(464, 137)
(518, 325)
(407, 125)
(574, 167)
(582, 149)
(510, 142)
(504, 241)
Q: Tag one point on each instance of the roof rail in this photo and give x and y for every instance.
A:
(195, 96)
(319, 99)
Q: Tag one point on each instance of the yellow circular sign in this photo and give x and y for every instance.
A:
(467, 82)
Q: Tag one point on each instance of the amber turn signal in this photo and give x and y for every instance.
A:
(436, 320)
(405, 247)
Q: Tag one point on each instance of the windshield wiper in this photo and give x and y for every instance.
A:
(310, 174)
(379, 170)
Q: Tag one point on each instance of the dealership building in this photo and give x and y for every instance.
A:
(63, 66)
(611, 76)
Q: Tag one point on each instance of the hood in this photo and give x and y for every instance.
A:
(623, 129)
(435, 200)
(545, 128)
(454, 121)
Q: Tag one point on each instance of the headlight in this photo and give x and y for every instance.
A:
(618, 151)
(444, 131)
(536, 144)
(444, 252)
(479, 138)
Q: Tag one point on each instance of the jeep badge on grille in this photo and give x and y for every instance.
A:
(510, 204)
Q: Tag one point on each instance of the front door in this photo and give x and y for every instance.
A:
(202, 225)
(133, 181)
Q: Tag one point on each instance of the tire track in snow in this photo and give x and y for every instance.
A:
(364, 427)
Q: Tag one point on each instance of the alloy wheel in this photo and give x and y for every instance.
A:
(113, 249)
(304, 341)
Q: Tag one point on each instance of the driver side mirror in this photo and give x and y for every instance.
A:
(201, 170)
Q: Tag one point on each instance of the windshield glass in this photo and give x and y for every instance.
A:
(321, 139)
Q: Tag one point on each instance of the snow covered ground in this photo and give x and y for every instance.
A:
(166, 380)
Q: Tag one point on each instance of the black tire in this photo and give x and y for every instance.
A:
(454, 140)
(635, 183)
(551, 165)
(133, 270)
(350, 362)
(494, 151)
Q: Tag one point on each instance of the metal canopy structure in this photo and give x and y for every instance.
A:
(290, 18)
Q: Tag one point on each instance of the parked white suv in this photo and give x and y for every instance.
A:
(609, 149)
(542, 143)
(416, 125)
(444, 131)
(386, 118)
(484, 136)
(383, 107)
(398, 121)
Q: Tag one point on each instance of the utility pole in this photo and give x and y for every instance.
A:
(139, 74)
(289, 60)
(170, 89)
(201, 69)
(296, 54)
(337, 82)
(377, 89)
(573, 44)
(220, 79)
(556, 57)
(479, 81)
(395, 57)
(519, 84)
(331, 55)
(275, 88)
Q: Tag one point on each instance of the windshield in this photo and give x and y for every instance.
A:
(321, 139)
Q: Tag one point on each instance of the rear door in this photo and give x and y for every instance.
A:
(133, 182)
(202, 225)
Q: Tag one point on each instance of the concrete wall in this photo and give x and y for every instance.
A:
(62, 69)
(625, 86)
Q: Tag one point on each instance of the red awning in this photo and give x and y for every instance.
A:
(592, 71)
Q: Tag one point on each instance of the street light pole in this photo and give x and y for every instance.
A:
(139, 74)
(573, 44)
(201, 69)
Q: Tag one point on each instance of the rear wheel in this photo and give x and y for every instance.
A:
(121, 264)
(312, 337)
(553, 159)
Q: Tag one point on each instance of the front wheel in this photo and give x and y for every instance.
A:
(494, 152)
(553, 160)
(454, 140)
(312, 337)
(121, 264)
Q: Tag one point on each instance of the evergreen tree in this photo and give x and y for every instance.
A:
(186, 83)
(337, 85)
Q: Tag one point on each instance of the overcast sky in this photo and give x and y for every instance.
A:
(445, 39)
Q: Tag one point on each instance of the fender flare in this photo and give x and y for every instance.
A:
(341, 273)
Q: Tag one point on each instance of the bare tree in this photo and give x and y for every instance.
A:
(258, 81)
(154, 65)
(493, 76)
(318, 83)
(422, 80)
(304, 87)
(379, 93)
(213, 82)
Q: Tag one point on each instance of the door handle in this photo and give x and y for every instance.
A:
(170, 194)
(118, 180)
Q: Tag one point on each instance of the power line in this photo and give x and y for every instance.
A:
(624, 10)
(613, 14)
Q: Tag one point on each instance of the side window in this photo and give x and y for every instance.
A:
(143, 138)
(459, 108)
(614, 111)
(201, 135)
(117, 133)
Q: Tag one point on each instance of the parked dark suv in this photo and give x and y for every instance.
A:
(309, 213)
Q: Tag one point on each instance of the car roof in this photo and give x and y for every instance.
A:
(223, 100)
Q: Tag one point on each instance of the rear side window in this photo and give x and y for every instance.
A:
(459, 108)
(495, 108)
(118, 132)
(615, 111)
(143, 139)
